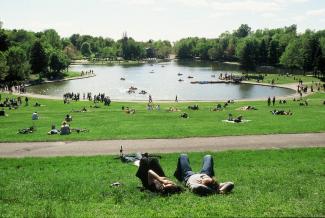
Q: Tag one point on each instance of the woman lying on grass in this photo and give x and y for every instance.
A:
(153, 177)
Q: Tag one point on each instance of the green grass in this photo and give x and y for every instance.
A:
(284, 79)
(71, 74)
(268, 183)
(112, 123)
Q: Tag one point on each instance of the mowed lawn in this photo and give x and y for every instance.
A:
(273, 183)
(286, 79)
(112, 123)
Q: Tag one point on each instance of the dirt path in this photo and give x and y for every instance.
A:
(88, 148)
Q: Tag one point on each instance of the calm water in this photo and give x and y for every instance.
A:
(162, 84)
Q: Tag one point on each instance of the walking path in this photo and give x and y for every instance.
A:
(89, 148)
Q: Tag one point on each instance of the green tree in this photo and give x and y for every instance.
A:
(86, 49)
(243, 31)
(273, 53)
(4, 41)
(18, 65)
(3, 67)
(292, 57)
(38, 59)
(263, 52)
(52, 37)
(247, 54)
(58, 62)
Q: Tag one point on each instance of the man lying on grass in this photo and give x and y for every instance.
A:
(201, 183)
(153, 177)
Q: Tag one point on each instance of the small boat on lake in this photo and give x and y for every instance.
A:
(142, 92)
(122, 78)
(180, 80)
(190, 77)
(179, 74)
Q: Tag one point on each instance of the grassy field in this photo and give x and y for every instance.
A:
(268, 183)
(112, 123)
(71, 74)
(285, 79)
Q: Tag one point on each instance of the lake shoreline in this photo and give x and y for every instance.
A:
(291, 86)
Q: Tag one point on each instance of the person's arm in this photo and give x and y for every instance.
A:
(152, 174)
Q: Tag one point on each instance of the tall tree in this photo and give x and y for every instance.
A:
(243, 31)
(58, 62)
(247, 55)
(52, 37)
(18, 65)
(86, 49)
(292, 57)
(3, 67)
(273, 53)
(38, 59)
(263, 53)
(4, 41)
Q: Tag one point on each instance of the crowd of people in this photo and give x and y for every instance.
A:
(14, 88)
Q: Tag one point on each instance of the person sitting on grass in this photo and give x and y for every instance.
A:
(35, 116)
(230, 117)
(184, 115)
(193, 107)
(65, 128)
(68, 118)
(53, 131)
(153, 177)
(217, 108)
(129, 110)
(202, 183)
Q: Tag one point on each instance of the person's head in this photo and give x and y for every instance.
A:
(211, 183)
(53, 126)
(169, 189)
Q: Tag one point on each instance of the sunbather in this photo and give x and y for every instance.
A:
(26, 130)
(202, 183)
(53, 131)
(153, 177)
(281, 112)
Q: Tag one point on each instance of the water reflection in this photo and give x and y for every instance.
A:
(160, 80)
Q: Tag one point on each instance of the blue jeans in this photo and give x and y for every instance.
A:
(184, 170)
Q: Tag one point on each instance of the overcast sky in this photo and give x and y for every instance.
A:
(159, 19)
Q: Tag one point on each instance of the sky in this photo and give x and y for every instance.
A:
(159, 19)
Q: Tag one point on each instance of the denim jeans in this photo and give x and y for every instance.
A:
(184, 170)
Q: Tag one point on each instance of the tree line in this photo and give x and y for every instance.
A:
(281, 47)
(46, 55)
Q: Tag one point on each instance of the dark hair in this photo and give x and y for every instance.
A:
(175, 189)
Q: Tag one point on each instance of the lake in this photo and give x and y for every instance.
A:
(161, 80)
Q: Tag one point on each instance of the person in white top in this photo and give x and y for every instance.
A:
(202, 183)
(35, 116)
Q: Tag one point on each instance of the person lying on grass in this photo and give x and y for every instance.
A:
(236, 120)
(281, 112)
(153, 177)
(26, 130)
(202, 183)
(53, 130)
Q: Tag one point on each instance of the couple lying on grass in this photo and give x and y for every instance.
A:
(153, 177)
